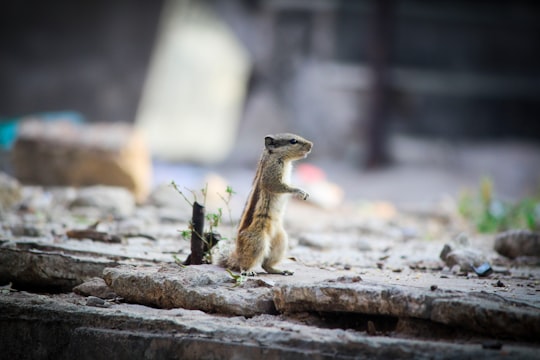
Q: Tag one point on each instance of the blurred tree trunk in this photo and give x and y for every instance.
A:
(379, 58)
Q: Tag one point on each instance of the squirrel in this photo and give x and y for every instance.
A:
(261, 238)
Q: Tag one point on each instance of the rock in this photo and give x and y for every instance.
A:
(474, 311)
(109, 200)
(25, 230)
(97, 302)
(516, 243)
(95, 287)
(465, 258)
(461, 254)
(67, 330)
(65, 153)
(456, 269)
(204, 287)
(30, 267)
(10, 191)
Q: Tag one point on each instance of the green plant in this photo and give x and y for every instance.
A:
(6, 289)
(490, 214)
(213, 219)
(238, 279)
(230, 192)
(178, 261)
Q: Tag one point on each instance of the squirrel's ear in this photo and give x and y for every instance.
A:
(269, 141)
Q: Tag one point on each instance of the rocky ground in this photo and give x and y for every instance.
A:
(88, 273)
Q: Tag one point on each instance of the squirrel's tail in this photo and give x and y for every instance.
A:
(223, 254)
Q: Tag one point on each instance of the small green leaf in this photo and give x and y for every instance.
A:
(238, 278)
(186, 234)
(178, 261)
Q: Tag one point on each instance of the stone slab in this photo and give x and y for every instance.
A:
(48, 269)
(211, 289)
(481, 312)
(63, 327)
(204, 287)
(64, 153)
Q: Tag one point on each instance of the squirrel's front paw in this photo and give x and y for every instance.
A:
(302, 194)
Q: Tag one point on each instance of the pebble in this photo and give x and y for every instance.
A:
(10, 191)
(97, 302)
(516, 243)
(107, 199)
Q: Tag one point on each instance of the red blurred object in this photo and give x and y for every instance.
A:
(310, 173)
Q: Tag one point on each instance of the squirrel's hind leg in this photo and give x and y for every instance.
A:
(250, 251)
(278, 247)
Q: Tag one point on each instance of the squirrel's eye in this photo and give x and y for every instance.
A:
(293, 141)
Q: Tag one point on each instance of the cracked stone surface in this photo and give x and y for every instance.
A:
(33, 267)
(193, 287)
(125, 331)
(480, 312)
(210, 289)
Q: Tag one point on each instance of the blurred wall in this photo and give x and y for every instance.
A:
(456, 69)
(87, 56)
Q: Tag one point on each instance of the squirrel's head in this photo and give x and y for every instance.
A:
(288, 146)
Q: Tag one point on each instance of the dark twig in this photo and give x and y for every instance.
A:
(197, 241)
(146, 236)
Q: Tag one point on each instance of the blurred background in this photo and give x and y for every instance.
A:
(406, 101)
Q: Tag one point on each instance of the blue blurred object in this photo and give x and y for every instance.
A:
(483, 270)
(8, 133)
(9, 127)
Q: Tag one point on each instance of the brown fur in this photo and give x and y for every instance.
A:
(261, 239)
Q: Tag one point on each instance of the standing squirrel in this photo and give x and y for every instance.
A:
(261, 239)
